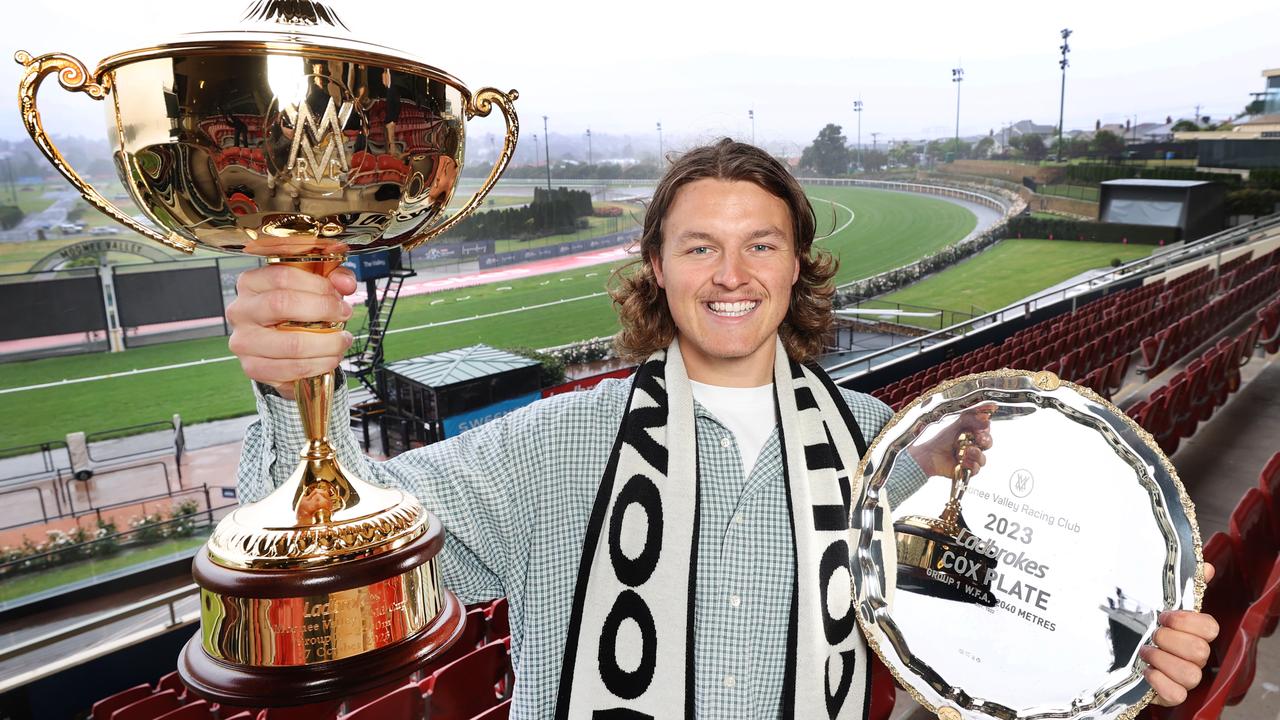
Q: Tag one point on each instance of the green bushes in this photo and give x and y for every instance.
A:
(1088, 173)
(80, 543)
(10, 216)
(1025, 226)
(1251, 201)
(550, 212)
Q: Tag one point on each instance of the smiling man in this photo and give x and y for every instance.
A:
(675, 544)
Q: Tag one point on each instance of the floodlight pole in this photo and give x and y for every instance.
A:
(1066, 33)
(957, 76)
(857, 107)
(752, 114)
(659, 145)
(589, 163)
(546, 146)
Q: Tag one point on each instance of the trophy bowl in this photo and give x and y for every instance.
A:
(286, 138)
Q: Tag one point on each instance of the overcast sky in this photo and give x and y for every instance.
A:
(698, 67)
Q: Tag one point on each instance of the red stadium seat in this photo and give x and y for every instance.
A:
(469, 686)
(359, 700)
(314, 711)
(1239, 665)
(501, 711)
(404, 703)
(103, 709)
(149, 707)
(884, 691)
(1226, 597)
(1269, 481)
(1255, 539)
(473, 636)
(198, 710)
(174, 683)
(496, 618)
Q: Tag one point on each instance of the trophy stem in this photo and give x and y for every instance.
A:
(323, 488)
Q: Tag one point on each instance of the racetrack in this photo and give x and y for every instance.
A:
(876, 230)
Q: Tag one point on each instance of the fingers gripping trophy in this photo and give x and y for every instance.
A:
(288, 139)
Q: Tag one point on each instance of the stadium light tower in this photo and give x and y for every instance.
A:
(957, 76)
(546, 147)
(535, 150)
(752, 115)
(1066, 33)
(589, 163)
(857, 107)
(659, 145)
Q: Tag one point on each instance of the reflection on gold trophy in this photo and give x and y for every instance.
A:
(940, 556)
(288, 139)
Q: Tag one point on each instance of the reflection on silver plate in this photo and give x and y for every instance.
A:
(1023, 590)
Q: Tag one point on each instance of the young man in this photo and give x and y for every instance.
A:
(666, 542)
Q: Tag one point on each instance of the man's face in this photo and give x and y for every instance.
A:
(727, 264)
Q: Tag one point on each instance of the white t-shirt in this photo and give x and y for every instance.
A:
(748, 413)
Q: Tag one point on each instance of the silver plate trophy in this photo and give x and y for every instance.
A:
(1024, 590)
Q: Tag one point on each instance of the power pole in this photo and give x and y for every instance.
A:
(1062, 100)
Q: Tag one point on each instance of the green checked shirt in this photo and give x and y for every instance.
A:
(515, 495)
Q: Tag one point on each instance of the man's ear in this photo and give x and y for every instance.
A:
(655, 261)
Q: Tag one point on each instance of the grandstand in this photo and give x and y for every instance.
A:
(1185, 341)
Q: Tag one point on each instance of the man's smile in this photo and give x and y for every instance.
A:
(732, 309)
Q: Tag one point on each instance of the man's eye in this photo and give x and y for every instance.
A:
(700, 251)
(761, 247)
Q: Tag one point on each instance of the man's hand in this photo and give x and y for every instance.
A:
(271, 295)
(937, 456)
(1179, 653)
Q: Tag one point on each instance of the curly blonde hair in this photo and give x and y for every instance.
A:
(646, 320)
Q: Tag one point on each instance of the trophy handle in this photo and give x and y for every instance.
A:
(479, 105)
(74, 76)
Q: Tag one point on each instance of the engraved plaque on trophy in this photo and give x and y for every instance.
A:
(1021, 591)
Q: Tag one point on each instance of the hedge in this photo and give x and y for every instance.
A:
(1024, 226)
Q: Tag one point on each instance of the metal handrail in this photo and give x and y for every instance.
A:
(98, 437)
(1158, 261)
(102, 620)
(44, 509)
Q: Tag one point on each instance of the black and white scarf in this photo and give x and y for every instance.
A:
(639, 560)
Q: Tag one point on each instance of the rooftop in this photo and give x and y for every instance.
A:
(1142, 182)
(460, 365)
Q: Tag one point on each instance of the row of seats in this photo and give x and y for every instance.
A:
(1243, 596)
(473, 679)
(1173, 411)
(1092, 345)
(1161, 350)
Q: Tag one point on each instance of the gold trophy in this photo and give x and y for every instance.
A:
(286, 138)
(941, 556)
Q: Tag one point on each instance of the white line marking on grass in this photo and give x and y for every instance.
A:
(126, 373)
(591, 274)
(436, 302)
(178, 366)
(496, 314)
(839, 205)
(504, 288)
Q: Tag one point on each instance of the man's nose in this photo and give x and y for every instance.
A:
(731, 271)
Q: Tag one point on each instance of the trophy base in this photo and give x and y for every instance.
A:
(265, 686)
